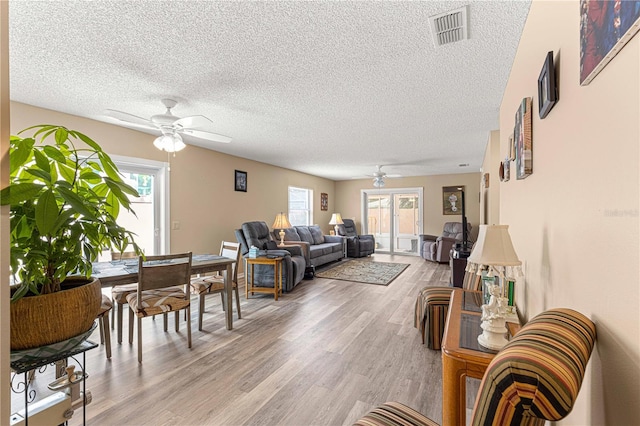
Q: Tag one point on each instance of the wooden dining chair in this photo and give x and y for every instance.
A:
(163, 286)
(215, 283)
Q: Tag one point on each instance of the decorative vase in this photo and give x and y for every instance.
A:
(50, 318)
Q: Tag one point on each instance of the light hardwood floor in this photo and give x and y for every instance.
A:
(323, 354)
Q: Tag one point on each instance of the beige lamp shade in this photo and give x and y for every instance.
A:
(336, 219)
(281, 222)
(494, 247)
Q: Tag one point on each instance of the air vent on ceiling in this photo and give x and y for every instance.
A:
(450, 27)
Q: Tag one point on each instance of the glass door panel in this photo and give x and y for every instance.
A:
(407, 222)
(379, 220)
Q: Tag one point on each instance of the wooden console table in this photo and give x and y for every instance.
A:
(462, 355)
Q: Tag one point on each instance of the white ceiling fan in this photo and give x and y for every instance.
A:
(171, 127)
(379, 177)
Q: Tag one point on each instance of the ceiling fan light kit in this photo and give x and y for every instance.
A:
(171, 142)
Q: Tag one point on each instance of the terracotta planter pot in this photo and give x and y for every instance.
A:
(42, 320)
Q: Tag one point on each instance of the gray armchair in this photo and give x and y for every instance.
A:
(436, 249)
(357, 245)
(257, 234)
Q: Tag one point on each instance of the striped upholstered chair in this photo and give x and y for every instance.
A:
(535, 378)
(432, 306)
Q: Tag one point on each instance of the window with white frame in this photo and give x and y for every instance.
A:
(300, 206)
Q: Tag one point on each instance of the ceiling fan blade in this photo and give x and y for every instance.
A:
(129, 118)
(194, 121)
(209, 136)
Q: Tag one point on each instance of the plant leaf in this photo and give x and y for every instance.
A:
(76, 203)
(46, 212)
(19, 192)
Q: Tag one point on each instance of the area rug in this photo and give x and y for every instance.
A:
(364, 271)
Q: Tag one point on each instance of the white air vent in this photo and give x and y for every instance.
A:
(450, 27)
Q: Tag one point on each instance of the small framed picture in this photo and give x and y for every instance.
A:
(241, 181)
(452, 200)
(324, 201)
(547, 88)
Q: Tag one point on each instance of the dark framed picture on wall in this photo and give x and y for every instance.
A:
(324, 201)
(241, 181)
(547, 88)
(452, 199)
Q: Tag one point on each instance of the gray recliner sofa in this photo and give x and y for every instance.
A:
(318, 248)
(257, 234)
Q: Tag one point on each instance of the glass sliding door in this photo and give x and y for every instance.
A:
(394, 217)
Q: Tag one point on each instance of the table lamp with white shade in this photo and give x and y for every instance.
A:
(281, 223)
(336, 220)
(494, 252)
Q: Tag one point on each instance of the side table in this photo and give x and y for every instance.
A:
(462, 355)
(276, 262)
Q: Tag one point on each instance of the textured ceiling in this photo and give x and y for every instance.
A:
(327, 88)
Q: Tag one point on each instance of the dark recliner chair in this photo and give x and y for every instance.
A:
(436, 249)
(257, 234)
(357, 245)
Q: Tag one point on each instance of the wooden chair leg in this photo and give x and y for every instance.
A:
(130, 326)
(189, 326)
(238, 302)
(107, 334)
(200, 310)
(164, 318)
(120, 307)
(113, 314)
(139, 339)
(101, 324)
(177, 316)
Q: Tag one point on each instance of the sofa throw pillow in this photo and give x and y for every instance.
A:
(316, 233)
(290, 234)
(305, 234)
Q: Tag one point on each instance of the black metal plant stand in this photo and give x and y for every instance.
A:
(27, 365)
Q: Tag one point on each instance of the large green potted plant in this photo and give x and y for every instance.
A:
(65, 194)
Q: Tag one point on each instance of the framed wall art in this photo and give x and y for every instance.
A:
(452, 199)
(605, 27)
(241, 181)
(547, 88)
(324, 201)
(523, 140)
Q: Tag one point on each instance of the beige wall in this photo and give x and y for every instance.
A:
(574, 222)
(348, 195)
(202, 196)
(490, 194)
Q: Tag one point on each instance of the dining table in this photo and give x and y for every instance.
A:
(125, 271)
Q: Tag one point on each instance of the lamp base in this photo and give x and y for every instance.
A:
(493, 334)
(281, 233)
